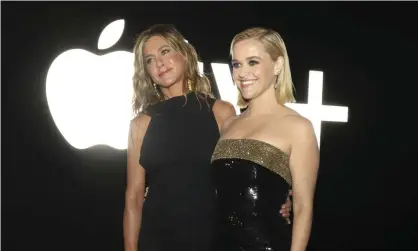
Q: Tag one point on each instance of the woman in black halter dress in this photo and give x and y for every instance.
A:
(178, 211)
(170, 143)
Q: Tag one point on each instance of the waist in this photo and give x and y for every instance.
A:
(182, 213)
(181, 200)
(251, 197)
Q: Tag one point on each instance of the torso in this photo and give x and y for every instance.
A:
(176, 151)
(252, 178)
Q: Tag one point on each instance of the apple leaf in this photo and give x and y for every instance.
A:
(111, 34)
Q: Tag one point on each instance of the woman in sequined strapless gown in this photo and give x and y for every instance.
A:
(252, 182)
(264, 152)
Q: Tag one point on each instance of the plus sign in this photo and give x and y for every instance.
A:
(314, 110)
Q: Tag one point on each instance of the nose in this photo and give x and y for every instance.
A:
(238, 75)
(242, 72)
(159, 62)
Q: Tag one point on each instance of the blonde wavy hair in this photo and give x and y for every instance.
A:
(144, 92)
(275, 47)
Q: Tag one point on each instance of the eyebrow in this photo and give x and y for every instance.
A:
(248, 58)
(159, 49)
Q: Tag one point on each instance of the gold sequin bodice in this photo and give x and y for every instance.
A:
(256, 151)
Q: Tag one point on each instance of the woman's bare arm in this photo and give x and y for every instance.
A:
(134, 195)
(224, 112)
(304, 163)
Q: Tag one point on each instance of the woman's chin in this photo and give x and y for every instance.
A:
(169, 84)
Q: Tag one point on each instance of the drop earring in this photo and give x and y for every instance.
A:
(276, 83)
(156, 90)
(190, 85)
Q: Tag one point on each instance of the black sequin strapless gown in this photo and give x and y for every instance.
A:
(252, 180)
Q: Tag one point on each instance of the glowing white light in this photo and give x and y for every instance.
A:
(226, 87)
(89, 96)
(314, 110)
(111, 34)
(200, 65)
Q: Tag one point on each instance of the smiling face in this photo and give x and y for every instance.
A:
(254, 71)
(164, 65)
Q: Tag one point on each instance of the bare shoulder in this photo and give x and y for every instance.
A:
(140, 122)
(286, 128)
(138, 127)
(224, 112)
(291, 119)
(224, 109)
(298, 124)
(301, 131)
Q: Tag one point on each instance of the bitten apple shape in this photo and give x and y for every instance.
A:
(89, 95)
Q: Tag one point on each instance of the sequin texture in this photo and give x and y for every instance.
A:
(252, 182)
(256, 151)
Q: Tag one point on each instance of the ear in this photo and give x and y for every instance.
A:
(278, 65)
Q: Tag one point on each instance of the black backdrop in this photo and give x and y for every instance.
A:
(55, 197)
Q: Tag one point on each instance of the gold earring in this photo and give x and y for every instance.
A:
(190, 85)
(156, 90)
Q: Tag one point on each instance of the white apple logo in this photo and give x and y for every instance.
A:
(89, 96)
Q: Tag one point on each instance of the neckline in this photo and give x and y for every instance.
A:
(258, 141)
(179, 96)
(189, 100)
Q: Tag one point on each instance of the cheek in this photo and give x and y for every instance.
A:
(265, 74)
(175, 60)
(235, 73)
(256, 71)
(152, 72)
